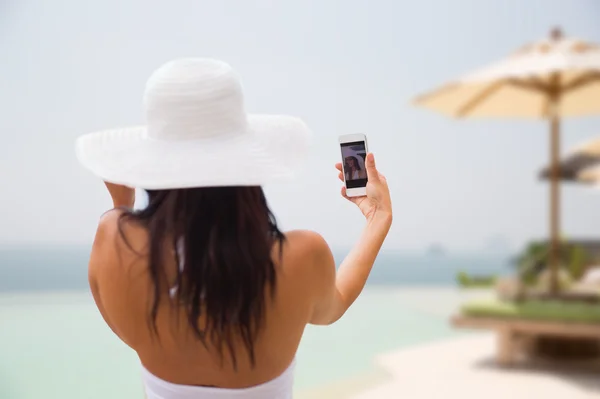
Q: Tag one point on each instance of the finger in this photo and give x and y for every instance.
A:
(372, 173)
(338, 166)
(346, 196)
(341, 176)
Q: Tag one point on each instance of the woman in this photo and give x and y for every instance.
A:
(352, 169)
(201, 283)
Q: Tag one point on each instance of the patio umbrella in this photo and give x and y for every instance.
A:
(549, 79)
(578, 165)
(591, 173)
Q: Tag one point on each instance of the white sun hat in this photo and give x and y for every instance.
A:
(197, 134)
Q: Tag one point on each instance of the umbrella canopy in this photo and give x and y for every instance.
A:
(527, 84)
(578, 164)
(590, 175)
(549, 79)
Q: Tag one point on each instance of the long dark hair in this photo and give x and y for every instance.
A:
(223, 239)
(348, 168)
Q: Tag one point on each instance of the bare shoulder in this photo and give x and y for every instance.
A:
(113, 222)
(106, 234)
(307, 253)
(116, 274)
(307, 244)
(116, 240)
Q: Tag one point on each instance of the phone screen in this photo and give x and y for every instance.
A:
(353, 158)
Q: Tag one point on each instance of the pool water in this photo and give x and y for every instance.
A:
(56, 345)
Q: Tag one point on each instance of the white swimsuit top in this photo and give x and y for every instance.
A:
(280, 387)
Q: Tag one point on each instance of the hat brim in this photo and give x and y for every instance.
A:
(272, 148)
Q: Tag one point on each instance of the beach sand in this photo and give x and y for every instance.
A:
(464, 368)
(460, 367)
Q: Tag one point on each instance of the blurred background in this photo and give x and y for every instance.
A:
(482, 285)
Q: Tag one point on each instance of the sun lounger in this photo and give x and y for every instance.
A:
(518, 324)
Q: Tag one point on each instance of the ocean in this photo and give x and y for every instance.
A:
(65, 268)
(54, 344)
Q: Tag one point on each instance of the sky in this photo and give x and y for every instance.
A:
(345, 66)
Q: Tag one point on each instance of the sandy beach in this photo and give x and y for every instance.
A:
(460, 367)
(464, 368)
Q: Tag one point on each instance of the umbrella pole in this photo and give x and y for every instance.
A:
(554, 259)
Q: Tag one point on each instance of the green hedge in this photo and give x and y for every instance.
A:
(535, 309)
(467, 281)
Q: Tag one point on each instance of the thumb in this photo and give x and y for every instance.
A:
(372, 173)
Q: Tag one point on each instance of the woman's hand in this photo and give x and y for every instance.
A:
(377, 203)
(122, 196)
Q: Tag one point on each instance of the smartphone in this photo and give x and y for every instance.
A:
(354, 153)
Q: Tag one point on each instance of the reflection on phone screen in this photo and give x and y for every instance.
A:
(353, 157)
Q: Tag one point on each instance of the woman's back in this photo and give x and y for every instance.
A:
(125, 290)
